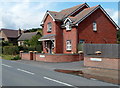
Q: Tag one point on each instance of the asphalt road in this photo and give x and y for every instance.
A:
(21, 74)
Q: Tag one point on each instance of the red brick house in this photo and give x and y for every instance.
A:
(64, 30)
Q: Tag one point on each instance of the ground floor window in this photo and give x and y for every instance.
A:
(68, 45)
(82, 41)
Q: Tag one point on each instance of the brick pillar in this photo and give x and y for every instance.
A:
(21, 54)
(31, 55)
(34, 55)
(81, 55)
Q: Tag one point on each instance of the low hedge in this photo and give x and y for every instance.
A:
(16, 58)
(10, 50)
(14, 50)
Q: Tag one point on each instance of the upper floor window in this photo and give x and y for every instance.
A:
(68, 27)
(94, 26)
(49, 27)
(68, 45)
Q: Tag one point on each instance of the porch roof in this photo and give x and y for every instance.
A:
(47, 37)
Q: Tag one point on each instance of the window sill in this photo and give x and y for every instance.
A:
(49, 31)
(68, 50)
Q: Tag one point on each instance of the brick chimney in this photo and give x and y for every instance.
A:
(19, 32)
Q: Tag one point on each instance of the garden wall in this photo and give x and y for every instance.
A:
(52, 57)
(108, 63)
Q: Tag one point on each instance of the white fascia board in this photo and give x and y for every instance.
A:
(45, 39)
(47, 13)
(51, 16)
(67, 19)
(117, 27)
(86, 16)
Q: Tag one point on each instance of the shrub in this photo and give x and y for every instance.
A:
(16, 58)
(10, 50)
(30, 48)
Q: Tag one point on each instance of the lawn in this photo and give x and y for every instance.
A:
(7, 57)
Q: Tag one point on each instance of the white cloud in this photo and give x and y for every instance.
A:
(113, 14)
(23, 15)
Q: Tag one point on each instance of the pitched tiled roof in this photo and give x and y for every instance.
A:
(78, 17)
(68, 11)
(64, 13)
(82, 14)
(27, 36)
(10, 33)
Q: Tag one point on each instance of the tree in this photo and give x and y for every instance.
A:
(34, 40)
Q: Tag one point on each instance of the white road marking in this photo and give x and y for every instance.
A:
(59, 82)
(6, 65)
(26, 71)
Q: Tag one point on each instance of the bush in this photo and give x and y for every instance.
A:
(16, 58)
(30, 48)
(10, 50)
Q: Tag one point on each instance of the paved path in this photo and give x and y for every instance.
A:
(23, 74)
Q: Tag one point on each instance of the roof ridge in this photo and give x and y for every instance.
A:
(8, 29)
(73, 7)
(53, 11)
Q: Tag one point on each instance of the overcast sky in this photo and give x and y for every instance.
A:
(27, 15)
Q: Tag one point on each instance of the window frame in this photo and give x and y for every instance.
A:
(49, 27)
(67, 25)
(94, 26)
(68, 45)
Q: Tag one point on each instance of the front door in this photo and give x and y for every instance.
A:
(49, 46)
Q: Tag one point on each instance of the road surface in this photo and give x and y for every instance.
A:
(20, 74)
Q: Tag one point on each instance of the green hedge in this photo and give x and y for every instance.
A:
(10, 50)
(30, 48)
(13, 50)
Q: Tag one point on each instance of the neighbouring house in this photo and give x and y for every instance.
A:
(10, 35)
(26, 36)
(63, 31)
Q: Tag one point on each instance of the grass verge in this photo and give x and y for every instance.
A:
(8, 57)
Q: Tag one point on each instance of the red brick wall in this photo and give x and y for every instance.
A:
(106, 31)
(58, 58)
(70, 35)
(25, 56)
(54, 57)
(109, 63)
(59, 38)
(49, 19)
(56, 29)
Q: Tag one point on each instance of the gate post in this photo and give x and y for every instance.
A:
(34, 55)
(21, 54)
(31, 55)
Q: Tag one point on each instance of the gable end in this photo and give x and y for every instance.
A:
(98, 7)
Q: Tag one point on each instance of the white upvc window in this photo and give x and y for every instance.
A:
(68, 45)
(94, 26)
(67, 25)
(49, 27)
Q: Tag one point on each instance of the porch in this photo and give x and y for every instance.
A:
(48, 43)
